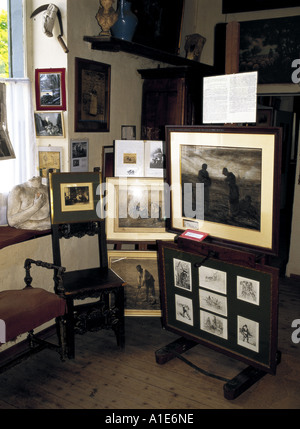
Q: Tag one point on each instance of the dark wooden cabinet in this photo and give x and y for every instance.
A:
(171, 96)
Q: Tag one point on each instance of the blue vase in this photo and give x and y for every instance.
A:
(126, 24)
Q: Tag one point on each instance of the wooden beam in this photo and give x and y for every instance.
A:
(232, 47)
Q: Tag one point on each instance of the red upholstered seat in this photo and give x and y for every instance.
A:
(24, 310)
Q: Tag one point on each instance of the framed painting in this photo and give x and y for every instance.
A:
(6, 148)
(139, 270)
(92, 96)
(159, 23)
(49, 124)
(49, 158)
(232, 6)
(135, 209)
(269, 46)
(225, 181)
(75, 197)
(229, 307)
(50, 89)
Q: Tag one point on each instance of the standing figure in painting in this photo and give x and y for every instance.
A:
(234, 194)
(204, 178)
(106, 17)
(146, 279)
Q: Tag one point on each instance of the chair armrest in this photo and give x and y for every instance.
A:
(58, 274)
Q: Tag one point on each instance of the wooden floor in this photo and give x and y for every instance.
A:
(104, 377)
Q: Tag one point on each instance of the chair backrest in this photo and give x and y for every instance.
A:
(76, 210)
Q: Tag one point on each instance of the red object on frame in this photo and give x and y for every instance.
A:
(194, 235)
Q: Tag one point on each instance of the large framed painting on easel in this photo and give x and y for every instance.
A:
(225, 181)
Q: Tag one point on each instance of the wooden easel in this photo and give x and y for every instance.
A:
(250, 375)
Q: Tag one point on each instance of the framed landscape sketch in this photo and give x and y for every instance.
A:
(75, 197)
(139, 270)
(135, 209)
(225, 181)
(229, 307)
(50, 89)
(269, 46)
(92, 96)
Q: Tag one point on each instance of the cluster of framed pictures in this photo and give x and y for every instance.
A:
(50, 94)
(230, 307)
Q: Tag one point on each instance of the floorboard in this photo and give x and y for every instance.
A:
(104, 377)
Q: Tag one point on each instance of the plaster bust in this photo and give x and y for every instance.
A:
(106, 16)
(28, 206)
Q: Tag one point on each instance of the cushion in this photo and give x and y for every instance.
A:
(25, 309)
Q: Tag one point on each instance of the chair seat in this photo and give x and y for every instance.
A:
(93, 279)
(24, 310)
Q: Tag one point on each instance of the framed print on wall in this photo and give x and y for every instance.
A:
(225, 181)
(79, 155)
(139, 271)
(92, 96)
(49, 158)
(49, 124)
(50, 89)
(75, 197)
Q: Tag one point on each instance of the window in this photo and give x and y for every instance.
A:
(17, 112)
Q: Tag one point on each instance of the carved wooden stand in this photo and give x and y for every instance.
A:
(232, 388)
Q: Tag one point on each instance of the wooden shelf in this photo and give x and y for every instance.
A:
(118, 45)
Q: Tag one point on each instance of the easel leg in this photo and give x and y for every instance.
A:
(244, 380)
(180, 346)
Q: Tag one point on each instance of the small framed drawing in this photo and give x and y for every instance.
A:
(92, 96)
(50, 89)
(135, 209)
(140, 273)
(129, 158)
(49, 158)
(79, 155)
(49, 124)
(155, 158)
(74, 197)
(6, 148)
(225, 181)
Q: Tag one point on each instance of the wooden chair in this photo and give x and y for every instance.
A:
(74, 216)
(23, 310)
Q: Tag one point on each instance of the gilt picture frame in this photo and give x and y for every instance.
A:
(134, 209)
(75, 197)
(142, 290)
(225, 181)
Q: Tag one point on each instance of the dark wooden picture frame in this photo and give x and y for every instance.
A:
(240, 205)
(232, 6)
(76, 209)
(269, 47)
(92, 96)
(159, 24)
(50, 89)
(201, 301)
